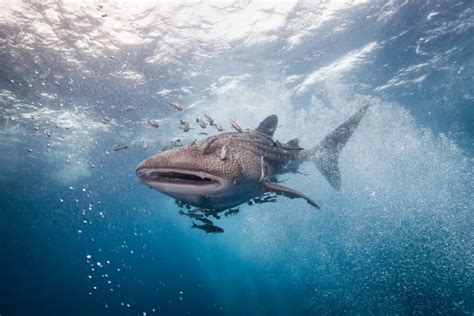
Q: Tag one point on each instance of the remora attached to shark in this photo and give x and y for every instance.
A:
(229, 169)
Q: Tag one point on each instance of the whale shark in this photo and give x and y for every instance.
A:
(231, 168)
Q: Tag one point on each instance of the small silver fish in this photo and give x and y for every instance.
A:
(153, 123)
(172, 144)
(119, 147)
(177, 106)
(105, 120)
(209, 119)
(129, 108)
(218, 127)
(201, 123)
(235, 126)
(184, 126)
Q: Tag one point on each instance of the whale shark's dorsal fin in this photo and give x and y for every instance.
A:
(268, 125)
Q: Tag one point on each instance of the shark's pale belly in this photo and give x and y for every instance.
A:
(221, 196)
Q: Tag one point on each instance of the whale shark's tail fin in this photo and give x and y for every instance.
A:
(326, 154)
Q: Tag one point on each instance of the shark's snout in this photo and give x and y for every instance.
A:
(141, 166)
(179, 182)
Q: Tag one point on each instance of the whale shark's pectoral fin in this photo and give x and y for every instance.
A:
(288, 192)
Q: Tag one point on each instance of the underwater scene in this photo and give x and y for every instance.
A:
(236, 157)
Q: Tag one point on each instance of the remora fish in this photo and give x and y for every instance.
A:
(153, 123)
(208, 228)
(235, 126)
(119, 147)
(196, 174)
(201, 123)
(176, 105)
(184, 126)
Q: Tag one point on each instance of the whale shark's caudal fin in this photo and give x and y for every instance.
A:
(326, 154)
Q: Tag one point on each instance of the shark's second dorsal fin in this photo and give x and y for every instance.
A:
(288, 192)
(294, 143)
(268, 125)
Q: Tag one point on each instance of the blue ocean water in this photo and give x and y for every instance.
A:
(80, 235)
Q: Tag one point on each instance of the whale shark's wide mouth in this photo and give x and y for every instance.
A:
(171, 176)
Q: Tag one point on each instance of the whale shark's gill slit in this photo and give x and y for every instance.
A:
(178, 177)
